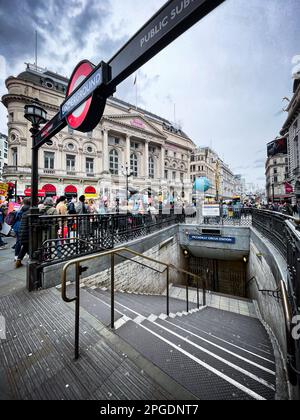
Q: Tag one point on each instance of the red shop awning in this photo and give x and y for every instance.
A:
(90, 190)
(70, 189)
(49, 188)
(27, 192)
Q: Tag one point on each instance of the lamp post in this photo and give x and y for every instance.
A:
(35, 114)
(127, 173)
(273, 193)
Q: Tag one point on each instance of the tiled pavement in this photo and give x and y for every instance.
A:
(36, 357)
(11, 279)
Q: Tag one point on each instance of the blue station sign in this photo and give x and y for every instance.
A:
(211, 238)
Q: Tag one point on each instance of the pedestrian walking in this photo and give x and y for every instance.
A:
(24, 238)
(2, 218)
(17, 223)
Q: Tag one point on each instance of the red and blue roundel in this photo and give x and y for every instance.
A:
(87, 116)
(83, 69)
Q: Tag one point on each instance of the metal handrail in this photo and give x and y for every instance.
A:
(275, 292)
(112, 253)
(291, 349)
(141, 264)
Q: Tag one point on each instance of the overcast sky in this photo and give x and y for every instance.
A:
(227, 75)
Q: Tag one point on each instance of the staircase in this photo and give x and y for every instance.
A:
(213, 353)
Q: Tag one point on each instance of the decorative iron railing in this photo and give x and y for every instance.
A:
(284, 232)
(61, 238)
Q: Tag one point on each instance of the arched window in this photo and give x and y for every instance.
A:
(151, 167)
(134, 164)
(114, 162)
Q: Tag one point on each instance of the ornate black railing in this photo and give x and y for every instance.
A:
(60, 238)
(283, 231)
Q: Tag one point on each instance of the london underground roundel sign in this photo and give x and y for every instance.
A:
(85, 117)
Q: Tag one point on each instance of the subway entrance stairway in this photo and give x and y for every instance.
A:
(214, 354)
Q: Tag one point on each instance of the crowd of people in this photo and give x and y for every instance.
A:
(18, 222)
(286, 208)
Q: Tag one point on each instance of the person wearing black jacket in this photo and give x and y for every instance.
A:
(23, 235)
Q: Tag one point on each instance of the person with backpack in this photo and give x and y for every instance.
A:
(2, 218)
(71, 206)
(17, 223)
(23, 233)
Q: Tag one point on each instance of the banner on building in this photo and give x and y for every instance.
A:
(288, 188)
(3, 189)
(278, 146)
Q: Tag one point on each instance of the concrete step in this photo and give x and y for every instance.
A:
(228, 303)
(212, 353)
(248, 376)
(142, 304)
(202, 371)
(250, 343)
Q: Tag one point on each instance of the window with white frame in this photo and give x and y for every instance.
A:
(134, 145)
(114, 162)
(14, 152)
(151, 167)
(71, 159)
(49, 160)
(134, 164)
(89, 165)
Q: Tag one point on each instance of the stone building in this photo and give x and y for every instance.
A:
(277, 175)
(205, 162)
(3, 152)
(291, 128)
(157, 154)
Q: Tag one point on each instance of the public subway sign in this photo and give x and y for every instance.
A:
(172, 20)
(85, 104)
(211, 238)
(91, 85)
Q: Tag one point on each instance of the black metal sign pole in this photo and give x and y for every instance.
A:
(172, 20)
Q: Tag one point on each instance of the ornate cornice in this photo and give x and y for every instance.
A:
(117, 119)
(27, 100)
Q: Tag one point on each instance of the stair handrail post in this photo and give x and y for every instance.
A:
(168, 292)
(204, 292)
(112, 285)
(198, 298)
(77, 309)
(187, 292)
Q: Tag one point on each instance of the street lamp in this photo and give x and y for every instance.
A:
(127, 173)
(35, 114)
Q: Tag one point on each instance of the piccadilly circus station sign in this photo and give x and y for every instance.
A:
(91, 85)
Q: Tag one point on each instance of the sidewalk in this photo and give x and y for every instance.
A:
(37, 350)
(11, 280)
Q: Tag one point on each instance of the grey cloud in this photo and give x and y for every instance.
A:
(20, 18)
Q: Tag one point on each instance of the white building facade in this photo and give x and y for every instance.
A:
(3, 152)
(205, 162)
(277, 175)
(156, 154)
(291, 128)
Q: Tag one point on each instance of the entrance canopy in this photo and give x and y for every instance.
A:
(50, 190)
(90, 192)
(70, 190)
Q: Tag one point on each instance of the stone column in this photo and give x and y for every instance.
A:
(105, 151)
(162, 170)
(127, 151)
(146, 167)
